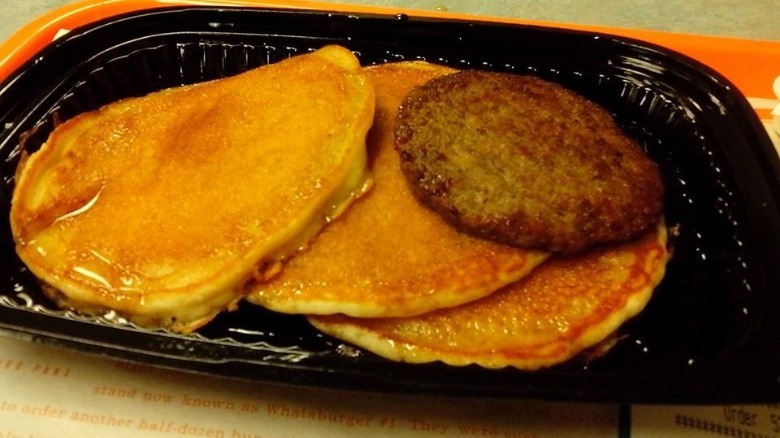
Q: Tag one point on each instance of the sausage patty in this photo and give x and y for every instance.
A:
(524, 161)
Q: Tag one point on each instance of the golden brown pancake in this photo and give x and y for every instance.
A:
(388, 255)
(162, 207)
(567, 304)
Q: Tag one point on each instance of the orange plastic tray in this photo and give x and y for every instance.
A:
(751, 65)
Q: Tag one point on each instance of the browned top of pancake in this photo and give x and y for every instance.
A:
(564, 306)
(388, 255)
(525, 161)
(162, 206)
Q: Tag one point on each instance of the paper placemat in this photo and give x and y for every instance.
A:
(47, 391)
(752, 421)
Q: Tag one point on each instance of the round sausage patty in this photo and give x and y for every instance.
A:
(524, 161)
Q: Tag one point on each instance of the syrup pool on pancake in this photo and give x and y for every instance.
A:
(161, 207)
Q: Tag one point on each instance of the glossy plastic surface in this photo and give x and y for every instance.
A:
(710, 333)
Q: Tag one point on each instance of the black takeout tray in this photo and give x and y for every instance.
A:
(711, 332)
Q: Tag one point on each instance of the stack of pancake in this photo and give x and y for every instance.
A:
(260, 192)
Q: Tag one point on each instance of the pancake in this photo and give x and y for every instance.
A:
(564, 306)
(388, 255)
(161, 207)
(526, 162)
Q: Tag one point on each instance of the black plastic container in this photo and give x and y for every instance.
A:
(711, 332)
